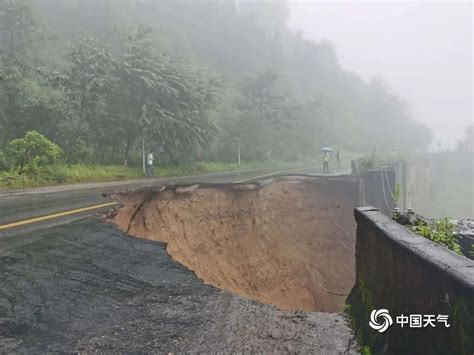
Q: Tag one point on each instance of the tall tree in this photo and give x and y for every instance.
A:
(87, 82)
(265, 111)
(26, 101)
(176, 97)
(18, 28)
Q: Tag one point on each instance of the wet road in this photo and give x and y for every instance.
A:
(75, 283)
(85, 286)
(23, 205)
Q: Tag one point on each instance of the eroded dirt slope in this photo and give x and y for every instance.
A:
(289, 243)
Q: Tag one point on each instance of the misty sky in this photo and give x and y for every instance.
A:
(423, 51)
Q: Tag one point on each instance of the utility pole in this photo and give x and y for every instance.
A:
(237, 140)
(238, 152)
(144, 122)
(143, 153)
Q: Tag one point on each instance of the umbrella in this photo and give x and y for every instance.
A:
(327, 149)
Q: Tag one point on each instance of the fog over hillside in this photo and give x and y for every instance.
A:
(423, 50)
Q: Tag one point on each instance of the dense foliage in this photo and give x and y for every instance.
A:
(31, 154)
(190, 79)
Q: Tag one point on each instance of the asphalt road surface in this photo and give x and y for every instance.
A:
(21, 206)
(75, 283)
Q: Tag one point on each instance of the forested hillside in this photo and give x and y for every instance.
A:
(189, 78)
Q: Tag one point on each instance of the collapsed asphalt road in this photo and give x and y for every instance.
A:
(85, 286)
(287, 241)
(24, 205)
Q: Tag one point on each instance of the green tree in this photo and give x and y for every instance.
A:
(266, 115)
(87, 82)
(18, 28)
(32, 153)
(176, 97)
(26, 102)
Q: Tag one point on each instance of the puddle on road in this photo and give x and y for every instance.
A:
(281, 244)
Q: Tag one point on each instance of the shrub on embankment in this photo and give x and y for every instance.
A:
(31, 154)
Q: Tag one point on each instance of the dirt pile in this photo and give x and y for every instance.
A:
(289, 243)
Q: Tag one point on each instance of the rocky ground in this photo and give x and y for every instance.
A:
(86, 286)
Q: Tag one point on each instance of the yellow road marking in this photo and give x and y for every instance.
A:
(265, 175)
(55, 215)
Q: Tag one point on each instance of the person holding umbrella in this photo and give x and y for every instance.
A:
(326, 151)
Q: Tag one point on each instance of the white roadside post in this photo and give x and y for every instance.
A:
(238, 152)
(237, 140)
(143, 153)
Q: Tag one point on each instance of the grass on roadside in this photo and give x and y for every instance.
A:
(68, 174)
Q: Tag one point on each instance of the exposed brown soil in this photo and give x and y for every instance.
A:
(282, 244)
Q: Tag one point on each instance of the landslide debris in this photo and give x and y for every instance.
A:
(276, 242)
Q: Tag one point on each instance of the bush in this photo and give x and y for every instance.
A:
(440, 232)
(32, 153)
(11, 179)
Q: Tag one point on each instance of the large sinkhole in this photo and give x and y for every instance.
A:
(287, 243)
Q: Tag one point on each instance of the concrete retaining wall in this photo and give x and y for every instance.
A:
(408, 274)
